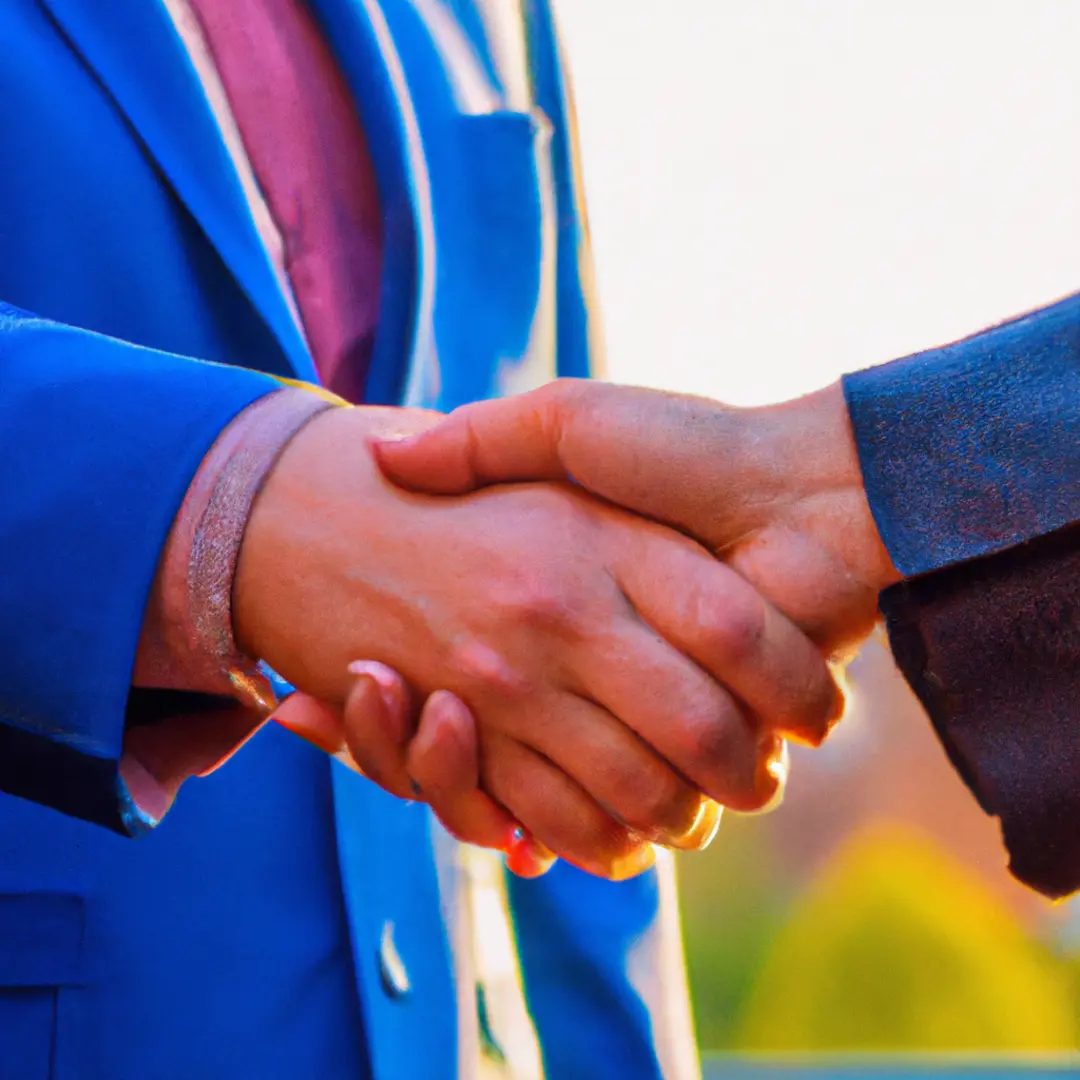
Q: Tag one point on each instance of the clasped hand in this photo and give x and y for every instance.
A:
(605, 654)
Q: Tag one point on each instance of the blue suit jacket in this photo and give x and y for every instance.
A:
(247, 937)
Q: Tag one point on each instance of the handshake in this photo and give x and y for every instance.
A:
(576, 622)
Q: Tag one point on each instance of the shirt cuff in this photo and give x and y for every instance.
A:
(216, 697)
(973, 448)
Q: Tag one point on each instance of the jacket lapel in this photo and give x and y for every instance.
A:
(469, 213)
(135, 51)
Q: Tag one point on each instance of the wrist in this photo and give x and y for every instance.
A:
(823, 478)
(187, 640)
(273, 443)
(323, 512)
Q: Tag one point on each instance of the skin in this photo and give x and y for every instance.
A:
(614, 676)
(440, 762)
(775, 492)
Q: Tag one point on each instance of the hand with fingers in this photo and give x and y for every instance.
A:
(776, 493)
(604, 676)
(432, 750)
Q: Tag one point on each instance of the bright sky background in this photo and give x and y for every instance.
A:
(782, 190)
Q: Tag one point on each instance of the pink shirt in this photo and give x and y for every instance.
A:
(303, 138)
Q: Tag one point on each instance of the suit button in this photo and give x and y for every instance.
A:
(392, 970)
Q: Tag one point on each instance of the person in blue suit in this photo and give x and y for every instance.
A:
(189, 530)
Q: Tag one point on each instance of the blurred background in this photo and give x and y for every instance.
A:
(780, 191)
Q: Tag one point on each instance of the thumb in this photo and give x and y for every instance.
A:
(489, 442)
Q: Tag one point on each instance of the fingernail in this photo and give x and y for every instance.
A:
(416, 788)
(384, 678)
(527, 863)
(709, 825)
(383, 675)
(704, 829)
(637, 862)
(842, 691)
(526, 856)
(773, 772)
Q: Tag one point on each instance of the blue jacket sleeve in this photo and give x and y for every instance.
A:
(99, 441)
(971, 458)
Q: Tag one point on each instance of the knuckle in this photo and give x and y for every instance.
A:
(816, 711)
(551, 602)
(565, 392)
(606, 845)
(663, 803)
(722, 758)
(545, 604)
(488, 672)
(713, 733)
(735, 625)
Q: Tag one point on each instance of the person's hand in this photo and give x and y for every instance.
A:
(776, 492)
(618, 674)
(434, 753)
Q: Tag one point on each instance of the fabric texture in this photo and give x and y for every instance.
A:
(298, 118)
(971, 458)
(992, 649)
(244, 938)
(303, 137)
(973, 448)
(186, 643)
(187, 640)
(62, 736)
